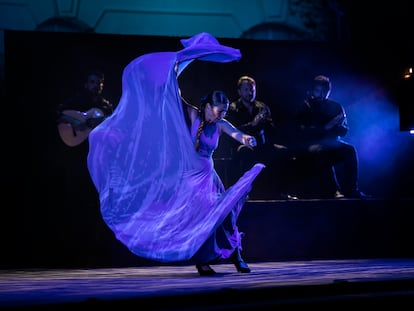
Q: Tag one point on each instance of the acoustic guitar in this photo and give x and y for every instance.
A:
(74, 126)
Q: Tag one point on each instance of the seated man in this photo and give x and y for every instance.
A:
(254, 117)
(322, 124)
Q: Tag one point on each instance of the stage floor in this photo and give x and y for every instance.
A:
(377, 282)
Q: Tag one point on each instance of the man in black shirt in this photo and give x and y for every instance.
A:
(254, 117)
(85, 110)
(322, 126)
(87, 235)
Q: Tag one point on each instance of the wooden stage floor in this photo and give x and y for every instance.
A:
(285, 284)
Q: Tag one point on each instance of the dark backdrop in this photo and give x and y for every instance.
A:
(43, 68)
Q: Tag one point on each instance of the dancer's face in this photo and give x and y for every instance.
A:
(215, 113)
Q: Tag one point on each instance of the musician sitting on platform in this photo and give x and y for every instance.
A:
(255, 118)
(322, 124)
(85, 110)
(91, 242)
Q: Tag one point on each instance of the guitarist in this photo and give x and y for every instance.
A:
(87, 236)
(84, 111)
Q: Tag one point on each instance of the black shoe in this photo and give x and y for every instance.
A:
(356, 195)
(239, 263)
(205, 270)
(241, 266)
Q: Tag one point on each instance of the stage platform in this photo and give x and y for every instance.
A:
(333, 253)
(314, 229)
(328, 229)
(270, 286)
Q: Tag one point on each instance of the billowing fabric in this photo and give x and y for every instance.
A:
(160, 197)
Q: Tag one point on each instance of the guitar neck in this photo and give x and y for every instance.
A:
(72, 120)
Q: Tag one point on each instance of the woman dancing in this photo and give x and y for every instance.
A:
(159, 192)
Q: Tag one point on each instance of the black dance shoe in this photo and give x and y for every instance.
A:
(356, 194)
(241, 266)
(205, 270)
(239, 263)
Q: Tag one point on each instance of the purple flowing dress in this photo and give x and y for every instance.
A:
(160, 197)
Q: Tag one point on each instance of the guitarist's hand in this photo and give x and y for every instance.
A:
(74, 126)
(93, 122)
